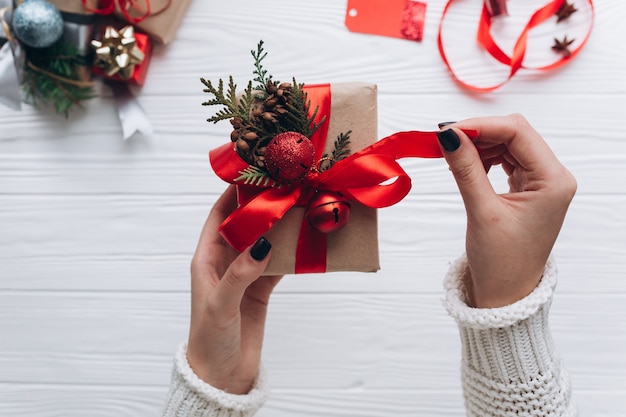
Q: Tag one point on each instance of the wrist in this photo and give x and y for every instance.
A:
(499, 295)
(188, 392)
(221, 377)
(502, 287)
(456, 299)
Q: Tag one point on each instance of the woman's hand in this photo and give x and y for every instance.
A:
(509, 236)
(228, 305)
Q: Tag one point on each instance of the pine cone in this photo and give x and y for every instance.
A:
(271, 87)
(259, 156)
(245, 141)
(270, 106)
(275, 105)
(284, 90)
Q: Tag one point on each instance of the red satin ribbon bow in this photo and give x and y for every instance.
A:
(515, 61)
(359, 177)
(143, 7)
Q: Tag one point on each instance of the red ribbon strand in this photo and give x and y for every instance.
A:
(516, 60)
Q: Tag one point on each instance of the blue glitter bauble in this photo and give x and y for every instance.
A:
(37, 23)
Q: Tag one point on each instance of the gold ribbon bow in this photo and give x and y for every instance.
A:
(118, 53)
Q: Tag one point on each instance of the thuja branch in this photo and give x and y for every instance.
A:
(260, 73)
(233, 105)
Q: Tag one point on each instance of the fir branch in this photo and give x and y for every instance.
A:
(298, 118)
(340, 151)
(51, 75)
(255, 176)
(311, 121)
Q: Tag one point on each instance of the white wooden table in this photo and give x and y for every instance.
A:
(96, 234)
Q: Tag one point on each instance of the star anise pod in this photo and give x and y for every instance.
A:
(565, 11)
(562, 47)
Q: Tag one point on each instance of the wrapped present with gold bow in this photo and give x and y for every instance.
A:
(122, 55)
(309, 171)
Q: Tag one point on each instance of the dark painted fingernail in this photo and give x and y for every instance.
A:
(260, 249)
(449, 140)
(444, 124)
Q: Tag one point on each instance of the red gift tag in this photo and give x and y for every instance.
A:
(402, 19)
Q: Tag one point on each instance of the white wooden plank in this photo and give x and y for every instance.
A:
(104, 401)
(312, 43)
(588, 126)
(317, 341)
(600, 171)
(80, 400)
(96, 233)
(144, 243)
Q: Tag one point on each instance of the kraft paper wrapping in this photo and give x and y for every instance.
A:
(355, 247)
(165, 20)
(74, 6)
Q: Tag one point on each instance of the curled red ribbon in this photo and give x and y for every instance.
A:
(143, 7)
(371, 176)
(516, 60)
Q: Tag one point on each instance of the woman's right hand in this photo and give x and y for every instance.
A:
(509, 236)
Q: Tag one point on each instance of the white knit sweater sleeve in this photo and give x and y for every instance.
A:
(509, 365)
(189, 396)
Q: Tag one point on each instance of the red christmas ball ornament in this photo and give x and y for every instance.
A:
(328, 211)
(289, 156)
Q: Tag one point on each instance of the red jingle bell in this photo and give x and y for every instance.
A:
(328, 211)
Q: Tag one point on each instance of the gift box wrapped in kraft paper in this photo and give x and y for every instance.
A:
(309, 171)
(354, 246)
(76, 7)
(161, 20)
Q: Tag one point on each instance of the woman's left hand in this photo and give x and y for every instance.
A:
(229, 303)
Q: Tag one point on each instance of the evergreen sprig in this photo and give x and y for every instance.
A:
(298, 119)
(339, 152)
(51, 75)
(260, 73)
(255, 176)
(234, 106)
(266, 108)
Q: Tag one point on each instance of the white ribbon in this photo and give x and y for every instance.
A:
(132, 116)
(11, 64)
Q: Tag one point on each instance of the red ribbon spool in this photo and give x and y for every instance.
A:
(516, 60)
(143, 7)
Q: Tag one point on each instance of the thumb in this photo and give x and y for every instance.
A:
(243, 271)
(466, 166)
